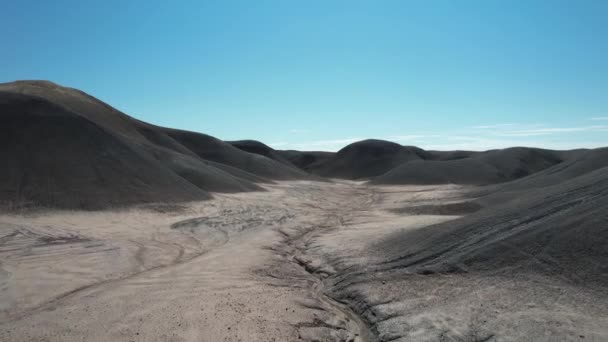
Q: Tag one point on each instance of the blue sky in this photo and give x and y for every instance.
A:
(321, 74)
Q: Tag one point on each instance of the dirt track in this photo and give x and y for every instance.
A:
(282, 265)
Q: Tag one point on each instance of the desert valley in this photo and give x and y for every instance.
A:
(113, 229)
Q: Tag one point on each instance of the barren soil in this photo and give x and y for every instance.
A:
(300, 262)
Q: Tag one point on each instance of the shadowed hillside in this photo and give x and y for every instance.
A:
(367, 158)
(253, 146)
(64, 148)
(386, 162)
(480, 168)
(560, 230)
(306, 160)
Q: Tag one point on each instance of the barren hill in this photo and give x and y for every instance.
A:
(64, 148)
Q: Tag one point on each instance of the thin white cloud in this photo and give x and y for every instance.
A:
(479, 138)
(495, 126)
(471, 143)
(599, 118)
(298, 131)
(461, 138)
(552, 130)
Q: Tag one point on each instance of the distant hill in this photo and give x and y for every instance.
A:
(367, 158)
(256, 147)
(385, 162)
(495, 166)
(556, 228)
(63, 148)
(306, 160)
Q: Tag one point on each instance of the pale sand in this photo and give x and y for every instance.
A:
(261, 266)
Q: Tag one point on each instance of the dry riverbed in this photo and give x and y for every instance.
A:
(295, 263)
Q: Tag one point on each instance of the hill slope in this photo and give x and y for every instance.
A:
(54, 157)
(210, 148)
(256, 147)
(306, 160)
(367, 158)
(177, 165)
(559, 230)
(64, 148)
(481, 168)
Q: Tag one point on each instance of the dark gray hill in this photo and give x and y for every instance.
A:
(560, 230)
(367, 158)
(64, 148)
(481, 168)
(306, 160)
(212, 149)
(54, 157)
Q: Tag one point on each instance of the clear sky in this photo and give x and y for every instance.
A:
(320, 74)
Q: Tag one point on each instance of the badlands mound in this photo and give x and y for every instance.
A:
(64, 148)
(558, 230)
(495, 166)
(367, 158)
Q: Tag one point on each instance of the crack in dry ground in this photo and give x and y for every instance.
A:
(293, 248)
